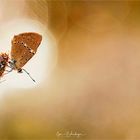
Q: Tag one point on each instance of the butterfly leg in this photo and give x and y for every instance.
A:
(8, 71)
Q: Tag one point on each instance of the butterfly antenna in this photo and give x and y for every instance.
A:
(29, 75)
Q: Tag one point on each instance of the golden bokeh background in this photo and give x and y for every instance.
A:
(94, 87)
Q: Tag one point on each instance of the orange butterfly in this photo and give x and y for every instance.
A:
(24, 47)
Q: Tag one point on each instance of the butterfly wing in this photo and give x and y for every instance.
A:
(24, 46)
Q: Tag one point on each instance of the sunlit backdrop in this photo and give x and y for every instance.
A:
(87, 70)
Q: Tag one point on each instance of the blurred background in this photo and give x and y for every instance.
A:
(93, 83)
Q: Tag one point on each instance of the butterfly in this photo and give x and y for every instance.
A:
(23, 48)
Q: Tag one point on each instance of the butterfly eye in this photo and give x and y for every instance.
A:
(12, 61)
